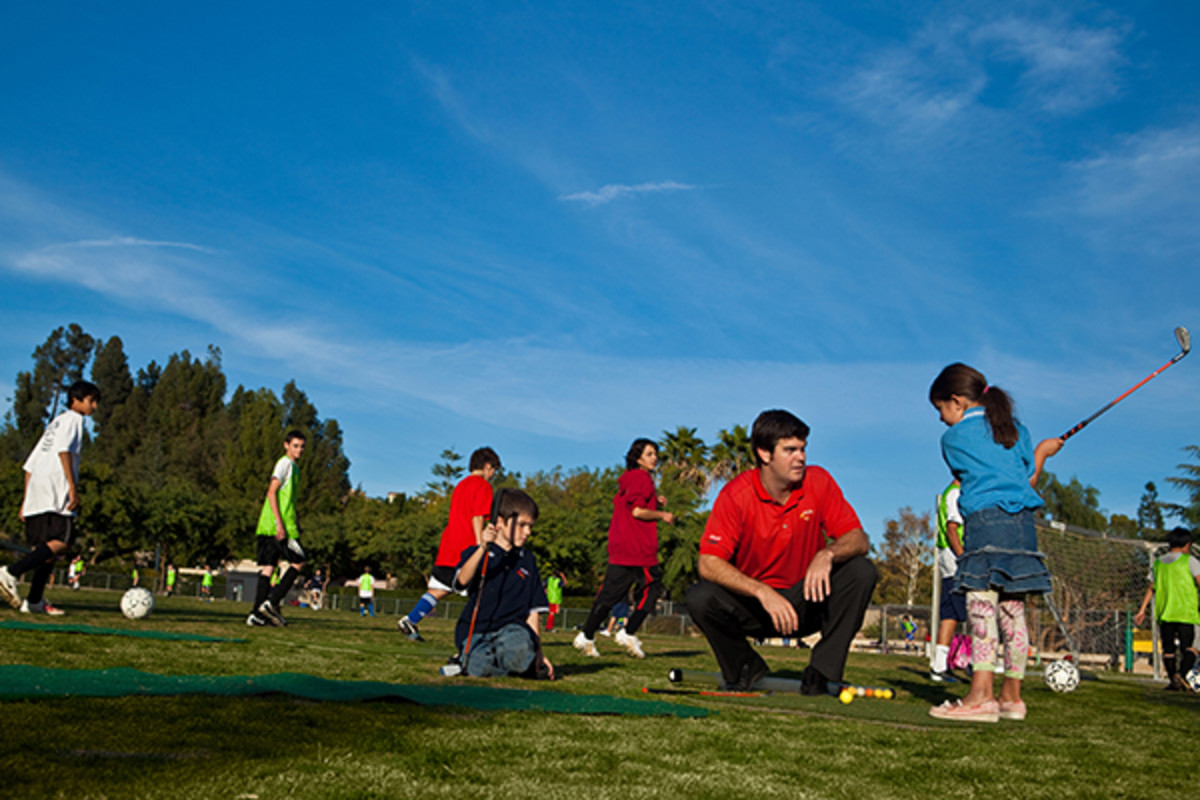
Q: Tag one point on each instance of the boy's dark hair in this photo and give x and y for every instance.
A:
(482, 457)
(513, 503)
(1179, 537)
(294, 434)
(969, 383)
(773, 426)
(82, 390)
(635, 451)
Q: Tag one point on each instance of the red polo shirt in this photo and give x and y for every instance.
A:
(472, 498)
(775, 543)
(633, 542)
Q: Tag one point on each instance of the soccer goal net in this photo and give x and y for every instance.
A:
(1098, 583)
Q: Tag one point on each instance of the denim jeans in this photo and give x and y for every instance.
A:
(508, 651)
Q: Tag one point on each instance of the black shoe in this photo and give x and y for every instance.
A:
(813, 683)
(751, 673)
(256, 621)
(272, 615)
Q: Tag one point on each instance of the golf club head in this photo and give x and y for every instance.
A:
(1184, 338)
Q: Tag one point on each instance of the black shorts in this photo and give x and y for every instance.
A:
(270, 551)
(48, 527)
(442, 578)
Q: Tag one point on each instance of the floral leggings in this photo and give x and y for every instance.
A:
(983, 609)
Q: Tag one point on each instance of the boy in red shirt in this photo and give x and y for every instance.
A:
(783, 554)
(470, 505)
(632, 551)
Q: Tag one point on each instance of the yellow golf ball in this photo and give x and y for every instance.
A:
(846, 695)
(888, 694)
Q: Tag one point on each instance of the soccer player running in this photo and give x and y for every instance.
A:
(766, 566)
(51, 500)
(278, 535)
(470, 505)
(632, 551)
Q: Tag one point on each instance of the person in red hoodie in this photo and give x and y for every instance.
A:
(632, 551)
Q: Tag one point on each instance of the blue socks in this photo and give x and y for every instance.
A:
(421, 610)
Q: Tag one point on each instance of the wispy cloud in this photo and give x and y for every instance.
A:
(612, 191)
(1066, 67)
(952, 72)
(1143, 194)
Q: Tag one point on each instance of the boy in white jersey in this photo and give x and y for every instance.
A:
(278, 535)
(51, 500)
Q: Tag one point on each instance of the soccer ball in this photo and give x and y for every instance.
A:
(1192, 679)
(137, 603)
(1061, 676)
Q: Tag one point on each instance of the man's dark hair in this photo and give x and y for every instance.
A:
(1179, 537)
(482, 457)
(513, 503)
(635, 451)
(82, 390)
(294, 434)
(773, 426)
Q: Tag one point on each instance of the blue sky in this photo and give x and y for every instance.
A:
(554, 229)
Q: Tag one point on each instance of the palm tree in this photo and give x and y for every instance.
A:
(732, 455)
(684, 456)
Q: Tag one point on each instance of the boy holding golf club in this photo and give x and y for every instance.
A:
(498, 633)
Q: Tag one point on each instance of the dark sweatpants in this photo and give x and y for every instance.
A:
(729, 620)
(1169, 632)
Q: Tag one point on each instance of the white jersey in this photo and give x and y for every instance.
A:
(947, 561)
(48, 490)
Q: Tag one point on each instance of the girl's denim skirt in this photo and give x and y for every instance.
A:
(1000, 552)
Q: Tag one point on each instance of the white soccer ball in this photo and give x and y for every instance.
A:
(1193, 678)
(137, 603)
(1061, 676)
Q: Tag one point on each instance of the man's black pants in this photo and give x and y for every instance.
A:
(729, 620)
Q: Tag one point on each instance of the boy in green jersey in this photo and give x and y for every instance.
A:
(1174, 581)
(278, 535)
(206, 585)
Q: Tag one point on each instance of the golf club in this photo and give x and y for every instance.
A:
(1185, 346)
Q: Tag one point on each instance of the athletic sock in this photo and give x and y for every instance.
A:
(284, 586)
(941, 654)
(261, 589)
(423, 608)
(38, 556)
(37, 586)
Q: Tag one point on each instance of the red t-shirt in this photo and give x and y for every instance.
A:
(775, 543)
(633, 542)
(472, 498)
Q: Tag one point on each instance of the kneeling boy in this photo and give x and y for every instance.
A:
(497, 633)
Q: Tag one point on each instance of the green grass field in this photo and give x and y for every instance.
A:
(1113, 737)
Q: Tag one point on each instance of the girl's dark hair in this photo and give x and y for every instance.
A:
(635, 451)
(969, 383)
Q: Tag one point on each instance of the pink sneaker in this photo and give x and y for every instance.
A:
(988, 711)
(1013, 710)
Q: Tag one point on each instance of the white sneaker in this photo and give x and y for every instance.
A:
(8, 588)
(586, 645)
(630, 643)
(41, 607)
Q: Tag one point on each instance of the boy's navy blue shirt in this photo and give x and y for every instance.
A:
(511, 591)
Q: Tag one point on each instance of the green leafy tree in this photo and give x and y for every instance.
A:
(1072, 503)
(905, 559)
(447, 473)
(1149, 514)
(684, 457)
(110, 373)
(61, 360)
(1189, 482)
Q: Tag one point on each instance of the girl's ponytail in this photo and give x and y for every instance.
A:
(969, 383)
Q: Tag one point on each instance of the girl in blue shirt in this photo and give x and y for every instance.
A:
(991, 454)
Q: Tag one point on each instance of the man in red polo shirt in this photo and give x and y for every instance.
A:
(783, 554)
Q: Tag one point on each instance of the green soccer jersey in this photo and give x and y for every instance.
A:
(554, 590)
(1175, 593)
(287, 473)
